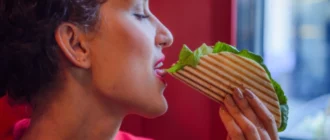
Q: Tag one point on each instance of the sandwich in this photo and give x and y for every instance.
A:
(215, 70)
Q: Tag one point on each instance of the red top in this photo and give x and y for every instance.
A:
(14, 120)
(23, 124)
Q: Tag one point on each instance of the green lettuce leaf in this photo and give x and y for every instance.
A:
(247, 54)
(223, 47)
(284, 116)
(280, 93)
(189, 58)
(185, 53)
(175, 68)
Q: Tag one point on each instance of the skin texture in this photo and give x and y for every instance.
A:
(109, 73)
(125, 51)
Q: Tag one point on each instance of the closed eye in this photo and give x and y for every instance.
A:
(141, 16)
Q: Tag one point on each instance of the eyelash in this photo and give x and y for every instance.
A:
(141, 16)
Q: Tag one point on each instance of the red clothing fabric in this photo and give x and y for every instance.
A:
(23, 124)
(9, 115)
(15, 120)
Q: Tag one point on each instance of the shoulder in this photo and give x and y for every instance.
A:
(20, 127)
(127, 136)
(23, 124)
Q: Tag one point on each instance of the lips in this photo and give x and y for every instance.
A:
(159, 63)
(159, 72)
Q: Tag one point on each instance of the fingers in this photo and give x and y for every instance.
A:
(244, 106)
(249, 130)
(233, 129)
(265, 116)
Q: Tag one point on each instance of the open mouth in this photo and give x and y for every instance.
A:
(159, 72)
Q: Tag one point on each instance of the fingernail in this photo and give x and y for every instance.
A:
(249, 93)
(230, 100)
(238, 93)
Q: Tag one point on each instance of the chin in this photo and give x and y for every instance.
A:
(155, 110)
(155, 113)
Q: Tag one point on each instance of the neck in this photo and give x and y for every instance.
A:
(75, 114)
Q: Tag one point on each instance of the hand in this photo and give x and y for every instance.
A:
(246, 118)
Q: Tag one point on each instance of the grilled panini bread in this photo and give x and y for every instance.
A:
(215, 71)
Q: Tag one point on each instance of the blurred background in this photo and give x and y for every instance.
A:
(293, 36)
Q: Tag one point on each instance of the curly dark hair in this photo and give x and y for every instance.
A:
(29, 56)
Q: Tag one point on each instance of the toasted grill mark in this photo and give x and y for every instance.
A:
(201, 82)
(255, 69)
(241, 67)
(244, 77)
(199, 88)
(247, 61)
(220, 89)
(221, 71)
(216, 74)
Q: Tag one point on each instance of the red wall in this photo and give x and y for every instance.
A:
(191, 116)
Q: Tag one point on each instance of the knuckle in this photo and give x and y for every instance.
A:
(264, 134)
(262, 130)
(249, 128)
(236, 112)
(245, 106)
(269, 117)
(238, 134)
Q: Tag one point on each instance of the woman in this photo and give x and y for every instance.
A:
(80, 64)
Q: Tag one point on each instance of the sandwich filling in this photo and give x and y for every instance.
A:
(192, 59)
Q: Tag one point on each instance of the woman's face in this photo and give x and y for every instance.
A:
(126, 53)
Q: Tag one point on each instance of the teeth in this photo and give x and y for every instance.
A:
(159, 65)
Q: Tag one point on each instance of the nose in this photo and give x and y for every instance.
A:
(164, 37)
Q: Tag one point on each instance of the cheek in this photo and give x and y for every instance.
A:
(130, 39)
(137, 37)
(123, 56)
(135, 45)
